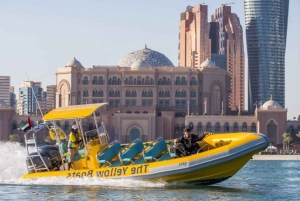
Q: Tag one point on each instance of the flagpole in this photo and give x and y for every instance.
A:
(35, 96)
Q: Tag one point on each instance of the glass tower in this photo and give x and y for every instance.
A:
(266, 28)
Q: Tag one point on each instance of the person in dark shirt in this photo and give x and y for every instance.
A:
(189, 140)
(179, 149)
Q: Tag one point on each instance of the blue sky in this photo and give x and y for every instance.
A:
(37, 37)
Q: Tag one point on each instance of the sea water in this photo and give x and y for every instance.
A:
(257, 180)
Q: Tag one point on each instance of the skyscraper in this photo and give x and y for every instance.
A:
(4, 89)
(266, 29)
(194, 42)
(27, 103)
(51, 95)
(227, 50)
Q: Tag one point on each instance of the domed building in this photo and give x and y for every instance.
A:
(148, 56)
(146, 94)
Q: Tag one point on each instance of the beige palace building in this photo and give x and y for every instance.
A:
(148, 98)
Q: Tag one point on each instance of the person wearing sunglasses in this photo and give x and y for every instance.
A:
(189, 140)
(179, 149)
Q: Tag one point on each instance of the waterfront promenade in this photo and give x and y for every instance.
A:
(276, 157)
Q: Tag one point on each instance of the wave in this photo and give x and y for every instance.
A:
(13, 166)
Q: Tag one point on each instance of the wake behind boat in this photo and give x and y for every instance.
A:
(220, 155)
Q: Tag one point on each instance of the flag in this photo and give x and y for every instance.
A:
(25, 126)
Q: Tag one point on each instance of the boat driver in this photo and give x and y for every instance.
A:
(189, 140)
(74, 140)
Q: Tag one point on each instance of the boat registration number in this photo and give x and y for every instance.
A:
(183, 163)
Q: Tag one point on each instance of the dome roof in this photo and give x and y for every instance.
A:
(271, 104)
(146, 55)
(208, 64)
(140, 63)
(74, 63)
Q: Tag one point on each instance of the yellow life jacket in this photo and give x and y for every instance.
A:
(60, 134)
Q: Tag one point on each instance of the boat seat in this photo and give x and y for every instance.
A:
(153, 153)
(134, 149)
(64, 150)
(110, 153)
(164, 157)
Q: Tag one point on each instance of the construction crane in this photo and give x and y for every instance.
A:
(225, 4)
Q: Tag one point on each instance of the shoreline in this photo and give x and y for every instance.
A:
(276, 157)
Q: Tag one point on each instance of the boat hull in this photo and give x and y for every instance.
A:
(207, 167)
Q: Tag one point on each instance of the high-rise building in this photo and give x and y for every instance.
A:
(50, 98)
(27, 103)
(266, 31)
(227, 50)
(12, 96)
(194, 42)
(4, 89)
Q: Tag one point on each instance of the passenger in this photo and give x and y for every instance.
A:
(189, 141)
(74, 140)
(179, 149)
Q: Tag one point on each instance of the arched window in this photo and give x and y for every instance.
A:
(183, 93)
(139, 80)
(199, 127)
(130, 80)
(159, 82)
(244, 127)
(95, 80)
(253, 127)
(226, 127)
(144, 93)
(67, 126)
(161, 93)
(193, 81)
(177, 93)
(177, 128)
(164, 81)
(128, 93)
(291, 129)
(183, 81)
(193, 94)
(114, 81)
(150, 93)
(117, 93)
(217, 127)
(177, 82)
(134, 134)
(91, 126)
(191, 126)
(167, 93)
(111, 93)
(85, 80)
(100, 93)
(182, 127)
(95, 93)
(133, 93)
(235, 127)
(208, 127)
(101, 81)
(147, 80)
(14, 125)
(85, 93)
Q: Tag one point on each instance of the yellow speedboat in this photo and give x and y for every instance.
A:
(220, 155)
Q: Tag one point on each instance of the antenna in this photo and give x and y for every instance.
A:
(35, 96)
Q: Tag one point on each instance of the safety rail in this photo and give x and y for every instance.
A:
(31, 141)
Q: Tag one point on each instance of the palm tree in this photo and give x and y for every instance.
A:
(286, 141)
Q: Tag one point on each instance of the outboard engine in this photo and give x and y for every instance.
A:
(50, 155)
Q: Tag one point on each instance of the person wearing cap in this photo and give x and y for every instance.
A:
(74, 140)
(189, 140)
